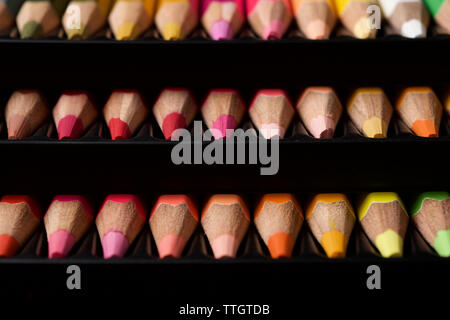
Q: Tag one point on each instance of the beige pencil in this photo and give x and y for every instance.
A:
(25, 112)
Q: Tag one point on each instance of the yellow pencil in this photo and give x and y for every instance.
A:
(354, 16)
(129, 19)
(176, 19)
(84, 18)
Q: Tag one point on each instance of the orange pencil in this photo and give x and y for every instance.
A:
(225, 220)
(271, 111)
(421, 111)
(173, 221)
(279, 218)
(124, 112)
(25, 112)
(331, 218)
(316, 18)
(19, 218)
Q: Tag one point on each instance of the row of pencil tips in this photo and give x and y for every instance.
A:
(176, 19)
(225, 219)
(271, 112)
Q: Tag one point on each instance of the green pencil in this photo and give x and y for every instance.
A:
(40, 18)
(430, 213)
(440, 10)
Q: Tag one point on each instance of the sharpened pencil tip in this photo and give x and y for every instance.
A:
(60, 243)
(334, 244)
(8, 246)
(225, 246)
(70, 127)
(375, 127)
(171, 246)
(317, 30)
(442, 243)
(31, 30)
(221, 30)
(221, 125)
(171, 31)
(172, 122)
(390, 244)
(322, 127)
(362, 29)
(414, 29)
(77, 34)
(274, 31)
(119, 129)
(280, 245)
(128, 31)
(425, 128)
(115, 245)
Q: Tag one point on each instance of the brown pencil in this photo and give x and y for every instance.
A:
(279, 218)
(173, 221)
(25, 112)
(19, 218)
(370, 111)
(223, 110)
(124, 112)
(271, 112)
(225, 220)
(73, 114)
(175, 108)
(320, 110)
(421, 111)
(331, 219)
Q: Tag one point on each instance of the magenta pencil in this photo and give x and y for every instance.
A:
(222, 19)
(269, 18)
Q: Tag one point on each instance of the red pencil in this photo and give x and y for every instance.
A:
(124, 112)
(19, 217)
(174, 109)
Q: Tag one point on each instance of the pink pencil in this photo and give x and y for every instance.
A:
(119, 221)
(222, 18)
(269, 18)
(223, 109)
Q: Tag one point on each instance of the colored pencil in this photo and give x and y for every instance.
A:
(271, 112)
(8, 12)
(176, 19)
(66, 222)
(421, 111)
(121, 218)
(124, 112)
(370, 111)
(223, 110)
(331, 219)
(315, 18)
(430, 213)
(440, 10)
(279, 218)
(407, 17)
(129, 19)
(269, 18)
(353, 15)
(85, 18)
(225, 220)
(40, 18)
(173, 221)
(320, 110)
(19, 218)
(222, 19)
(384, 219)
(447, 102)
(73, 114)
(25, 112)
(175, 108)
